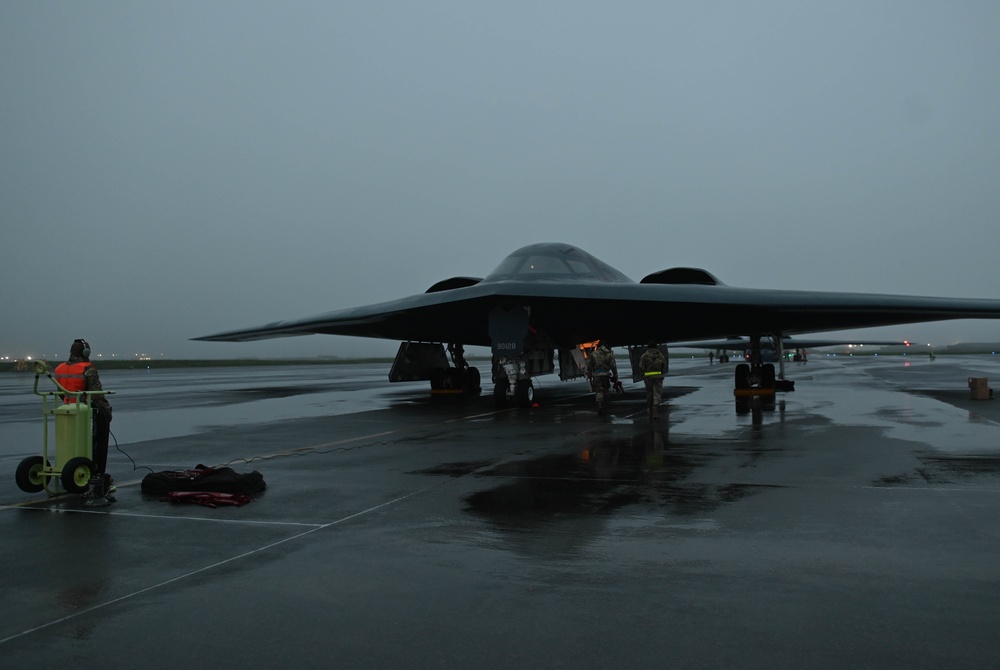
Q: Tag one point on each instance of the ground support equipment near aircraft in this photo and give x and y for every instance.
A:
(70, 467)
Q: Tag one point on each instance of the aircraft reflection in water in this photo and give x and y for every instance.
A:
(549, 303)
(535, 497)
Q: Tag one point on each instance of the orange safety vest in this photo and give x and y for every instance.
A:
(71, 377)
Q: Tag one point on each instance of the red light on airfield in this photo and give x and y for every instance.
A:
(906, 342)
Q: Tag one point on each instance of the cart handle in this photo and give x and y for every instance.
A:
(42, 369)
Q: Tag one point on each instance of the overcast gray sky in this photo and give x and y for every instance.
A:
(173, 169)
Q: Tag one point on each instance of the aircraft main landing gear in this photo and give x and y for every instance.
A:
(754, 385)
(456, 380)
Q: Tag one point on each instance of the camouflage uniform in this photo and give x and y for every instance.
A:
(652, 364)
(602, 369)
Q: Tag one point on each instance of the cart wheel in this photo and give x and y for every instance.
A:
(76, 474)
(29, 474)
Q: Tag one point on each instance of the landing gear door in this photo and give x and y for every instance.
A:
(416, 361)
(635, 353)
(572, 364)
(508, 331)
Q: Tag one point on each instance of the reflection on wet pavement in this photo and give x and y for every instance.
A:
(604, 476)
(948, 469)
(845, 531)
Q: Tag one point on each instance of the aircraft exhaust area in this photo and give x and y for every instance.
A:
(855, 526)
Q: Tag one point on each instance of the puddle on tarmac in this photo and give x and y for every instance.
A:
(600, 477)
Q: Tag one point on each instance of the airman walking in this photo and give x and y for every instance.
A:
(653, 365)
(602, 369)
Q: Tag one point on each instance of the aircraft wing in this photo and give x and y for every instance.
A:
(789, 343)
(562, 296)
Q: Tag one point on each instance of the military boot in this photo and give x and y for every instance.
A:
(98, 495)
(109, 488)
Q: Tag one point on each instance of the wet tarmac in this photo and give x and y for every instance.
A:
(855, 526)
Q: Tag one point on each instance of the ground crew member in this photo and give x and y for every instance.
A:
(79, 374)
(653, 366)
(602, 369)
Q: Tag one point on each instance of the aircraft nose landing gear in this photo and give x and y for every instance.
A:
(511, 386)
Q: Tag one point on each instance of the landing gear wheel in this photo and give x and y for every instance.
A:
(742, 376)
(500, 394)
(767, 376)
(471, 382)
(524, 393)
(76, 474)
(438, 379)
(29, 474)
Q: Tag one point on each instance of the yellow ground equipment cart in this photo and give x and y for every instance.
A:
(69, 468)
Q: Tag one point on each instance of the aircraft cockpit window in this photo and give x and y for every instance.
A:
(507, 267)
(544, 265)
(556, 263)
